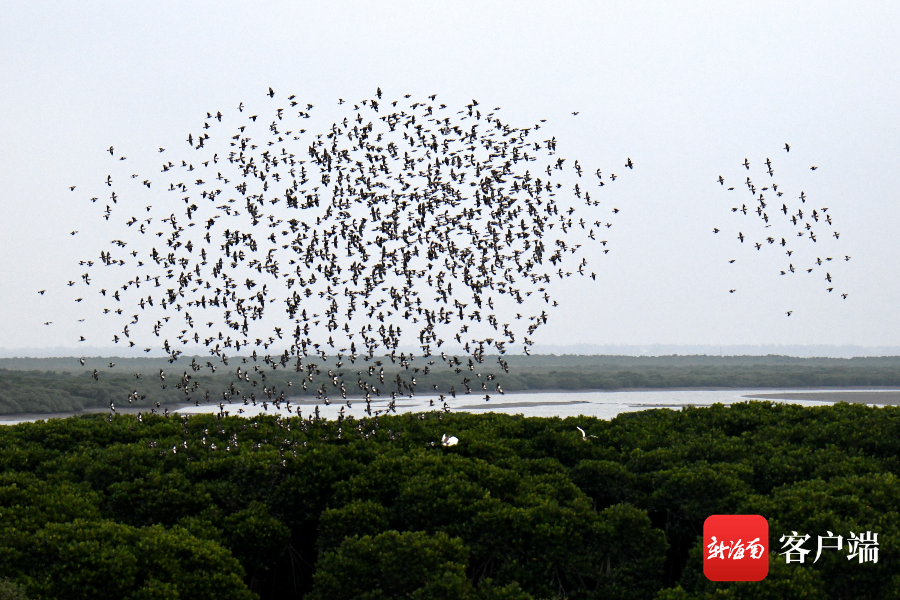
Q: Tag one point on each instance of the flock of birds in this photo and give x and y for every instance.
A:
(402, 223)
(796, 224)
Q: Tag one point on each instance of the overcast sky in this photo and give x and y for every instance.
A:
(686, 90)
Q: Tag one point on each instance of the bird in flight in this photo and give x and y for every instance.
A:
(584, 436)
(365, 183)
(792, 216)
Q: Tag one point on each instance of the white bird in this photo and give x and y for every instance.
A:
(584, 436)
(449, 440)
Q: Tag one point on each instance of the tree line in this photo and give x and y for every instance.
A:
(216, 506)
(49, 391)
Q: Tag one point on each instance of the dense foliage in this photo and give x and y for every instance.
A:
(224, 507)
(61, 385)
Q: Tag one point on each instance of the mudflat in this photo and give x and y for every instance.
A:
(891, 397)
(518, 404)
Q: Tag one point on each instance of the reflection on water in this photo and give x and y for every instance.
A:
(603, 405)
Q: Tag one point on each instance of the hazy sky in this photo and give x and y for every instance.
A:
(686, 90)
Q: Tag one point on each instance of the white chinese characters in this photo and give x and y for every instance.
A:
(863, 547)
(794, 544)
(735, 550)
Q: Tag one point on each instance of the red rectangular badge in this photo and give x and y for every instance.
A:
(736, 548)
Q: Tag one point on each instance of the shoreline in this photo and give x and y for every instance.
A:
(856, 395)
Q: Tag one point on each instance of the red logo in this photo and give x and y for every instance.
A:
(736, 548)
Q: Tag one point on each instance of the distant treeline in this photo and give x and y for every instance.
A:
(64, 385)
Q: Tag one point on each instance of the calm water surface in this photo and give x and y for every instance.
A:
(603, 405)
